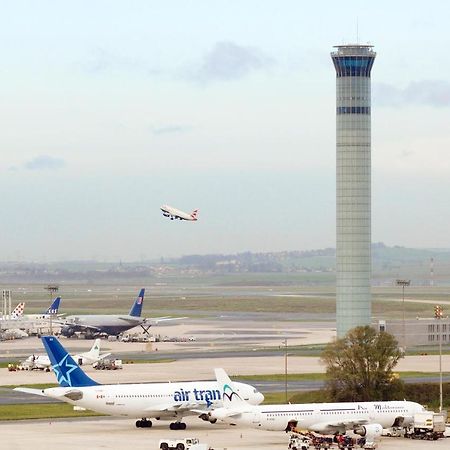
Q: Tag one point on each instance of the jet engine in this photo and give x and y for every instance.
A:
(207, 418)
(370, 432)
(67, 331)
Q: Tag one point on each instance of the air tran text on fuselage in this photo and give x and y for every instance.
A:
(205, 395)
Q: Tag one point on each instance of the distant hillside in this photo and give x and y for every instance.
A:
(388, 263)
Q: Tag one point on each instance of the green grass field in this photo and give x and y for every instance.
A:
(41, 411)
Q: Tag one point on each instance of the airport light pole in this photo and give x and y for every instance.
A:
(52, 290)
(403, 284)
(438, 314)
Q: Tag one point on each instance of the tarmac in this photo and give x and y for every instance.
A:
(115, 433)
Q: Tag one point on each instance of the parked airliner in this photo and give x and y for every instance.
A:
(174, 213)
(43, 362)
(52, 310)
(364, 418)
(148, 400)
(93, 325)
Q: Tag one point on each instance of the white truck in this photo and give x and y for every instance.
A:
(427, 425)
(182, 444)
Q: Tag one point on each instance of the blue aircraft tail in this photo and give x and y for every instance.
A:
(54, 306)
(136, 309)
(67, 371)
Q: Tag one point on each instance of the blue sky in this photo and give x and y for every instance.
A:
(110, 109)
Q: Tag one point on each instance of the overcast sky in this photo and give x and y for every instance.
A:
(110, 109)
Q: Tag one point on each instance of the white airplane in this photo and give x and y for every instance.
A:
(18, 312)
(364, 418)
(147, 400)
(51, 311)
(43, 362)
(173, 213)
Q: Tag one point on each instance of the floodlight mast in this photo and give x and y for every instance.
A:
(403, 284)
(438, 315)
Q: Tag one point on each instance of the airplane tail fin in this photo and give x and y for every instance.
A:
(67, 371)
(230, 397)
(194, 214)
(18, 311)
(53, 309)
(94, 352)
(136, 309)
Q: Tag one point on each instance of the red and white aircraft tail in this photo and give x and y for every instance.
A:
(17, 312)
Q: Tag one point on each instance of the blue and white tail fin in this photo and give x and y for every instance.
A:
(230, 397)
(67, 371)
(136, 309)
(54, 307)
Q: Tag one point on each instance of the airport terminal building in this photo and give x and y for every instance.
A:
(420, 331)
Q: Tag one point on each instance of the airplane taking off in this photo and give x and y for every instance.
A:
(43, 361)
(165, 401)
(364, 418)
(111, 324)
(174, 213)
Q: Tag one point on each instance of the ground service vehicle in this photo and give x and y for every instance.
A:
(182, 444)
(427, 425)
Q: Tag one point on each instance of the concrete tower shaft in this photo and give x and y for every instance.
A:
(353, 64)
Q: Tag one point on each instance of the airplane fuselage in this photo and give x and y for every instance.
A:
(325, 417)
(109, 324)
(155, 400)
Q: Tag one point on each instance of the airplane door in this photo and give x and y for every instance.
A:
(110, 399)
(256, 419)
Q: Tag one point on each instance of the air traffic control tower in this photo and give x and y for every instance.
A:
(353, 64)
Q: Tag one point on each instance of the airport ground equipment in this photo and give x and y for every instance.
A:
(427, 425)
(108, 364)
(182, 444)
(298, 442)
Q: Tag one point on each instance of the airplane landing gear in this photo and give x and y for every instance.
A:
(144, 423)
(177, 426)
(145, 329)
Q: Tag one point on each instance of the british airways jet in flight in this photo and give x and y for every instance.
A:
(173, 213)
(166, 401)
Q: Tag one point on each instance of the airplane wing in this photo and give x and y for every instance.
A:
(170, 407)
(344, 425)
(31, 391)
(80, 327)
(104, 355)
(130, 319)
(166, 319)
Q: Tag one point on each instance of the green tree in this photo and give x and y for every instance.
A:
(359, 366)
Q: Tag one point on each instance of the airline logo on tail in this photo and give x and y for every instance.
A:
(194, 214)
(136, 309)
(54, 307)
(63, 370)
(229, 393)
